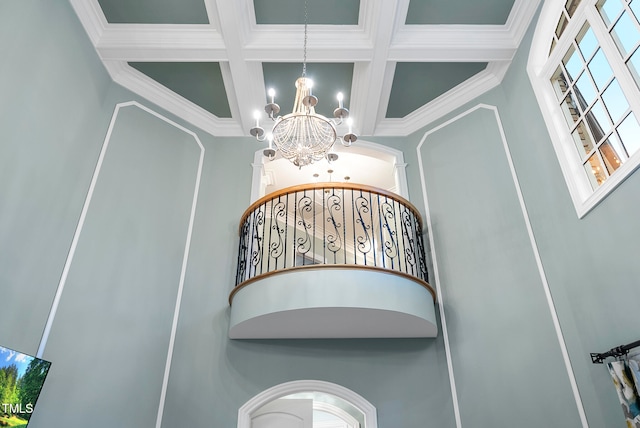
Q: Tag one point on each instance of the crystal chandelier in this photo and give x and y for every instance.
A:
(303, 136)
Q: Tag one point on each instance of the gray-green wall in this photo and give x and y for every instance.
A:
(122, 275)
(127, 269)
(501, 286)
(590, 263)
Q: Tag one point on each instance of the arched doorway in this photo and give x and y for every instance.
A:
(326, 397)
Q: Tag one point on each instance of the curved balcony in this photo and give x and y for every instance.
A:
(331, 260)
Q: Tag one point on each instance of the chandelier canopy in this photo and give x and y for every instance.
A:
(303, 136)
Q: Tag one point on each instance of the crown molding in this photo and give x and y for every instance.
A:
(520, 18)
(158, 94)
(498, 69)
(91, 17)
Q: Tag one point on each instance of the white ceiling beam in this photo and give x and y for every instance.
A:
(202, 43)
(160, 42)
(369, 78)
(329, 55)
(324, 43)
(246, 87)
(452, 43)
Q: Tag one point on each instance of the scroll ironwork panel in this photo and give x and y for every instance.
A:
(331, 224)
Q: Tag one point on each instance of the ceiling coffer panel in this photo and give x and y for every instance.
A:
(416, 84)
(459, 12)
(199, 82)
(154, 11)
(328, 80)
(325, 12)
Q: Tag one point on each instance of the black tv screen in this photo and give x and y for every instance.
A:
(21, 379)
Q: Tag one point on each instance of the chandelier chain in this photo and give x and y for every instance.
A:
(306, 20)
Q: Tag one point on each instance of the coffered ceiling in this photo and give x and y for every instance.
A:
(400, 63)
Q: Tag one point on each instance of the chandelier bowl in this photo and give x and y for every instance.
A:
(303, 138)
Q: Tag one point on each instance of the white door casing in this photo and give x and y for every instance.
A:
(249, 409)
(284, 413)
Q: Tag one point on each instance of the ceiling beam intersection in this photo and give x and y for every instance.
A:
(245, 89)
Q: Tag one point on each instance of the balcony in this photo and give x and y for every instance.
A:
(331, 260)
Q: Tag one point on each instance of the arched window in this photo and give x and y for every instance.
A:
(585, 70)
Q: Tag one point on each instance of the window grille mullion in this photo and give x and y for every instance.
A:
(613, 55)
(569, 34)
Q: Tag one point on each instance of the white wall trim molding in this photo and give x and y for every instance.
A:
(297, 386)
(185, 262)
(536, 253)
(543, 276)
(80, 225)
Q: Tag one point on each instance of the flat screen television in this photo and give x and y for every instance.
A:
(21, 379)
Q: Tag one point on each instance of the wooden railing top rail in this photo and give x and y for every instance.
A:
(331, 185)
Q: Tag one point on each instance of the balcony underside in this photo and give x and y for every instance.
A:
(324, 302)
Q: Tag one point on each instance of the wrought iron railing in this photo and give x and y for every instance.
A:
(331, 224)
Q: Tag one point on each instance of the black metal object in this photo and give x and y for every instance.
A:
(331, 224)
(618, 351)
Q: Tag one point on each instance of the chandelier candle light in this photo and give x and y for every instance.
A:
(303, 136)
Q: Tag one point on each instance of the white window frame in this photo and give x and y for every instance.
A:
(541, 67)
